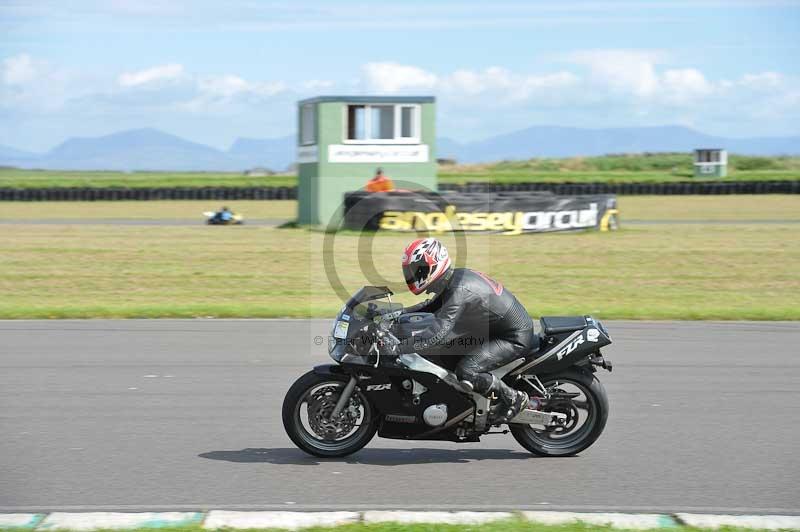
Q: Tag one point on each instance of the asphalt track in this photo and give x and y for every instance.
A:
(178, 414)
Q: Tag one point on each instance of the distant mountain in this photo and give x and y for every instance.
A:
(136, 149)
(151, 149)
(556, 141)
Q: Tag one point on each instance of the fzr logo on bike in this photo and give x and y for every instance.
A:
(570, 347)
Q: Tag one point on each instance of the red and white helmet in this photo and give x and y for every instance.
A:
(424, 261)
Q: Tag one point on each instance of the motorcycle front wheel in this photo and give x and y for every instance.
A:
(583, 399)
(307, 419)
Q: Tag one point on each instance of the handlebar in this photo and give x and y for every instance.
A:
(382, 332)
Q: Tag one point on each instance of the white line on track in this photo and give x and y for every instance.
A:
(117, 520)
(290, 520)
(770, 522)
(619, 520)
(451, 518)
(19, 520)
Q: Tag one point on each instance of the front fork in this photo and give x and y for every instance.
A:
(345, 397)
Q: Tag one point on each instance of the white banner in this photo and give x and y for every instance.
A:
(307, 154)
(377, 153)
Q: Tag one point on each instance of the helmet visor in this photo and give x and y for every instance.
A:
(416, 272)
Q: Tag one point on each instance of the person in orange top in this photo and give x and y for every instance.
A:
(379, 183)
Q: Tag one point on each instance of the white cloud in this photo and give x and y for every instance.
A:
(513, 86)
(228, 93)
(626, 71)
(762, 80)
(769, 96)
(684, 85)
(170, 87)
(392, 78)
(636, 73)
(615, 88)
(637, 85)
(29, 84)
(197, 90)
(19, 70)
(161, 73)
(468, 82)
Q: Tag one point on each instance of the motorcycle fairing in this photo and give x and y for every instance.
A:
(397, 407)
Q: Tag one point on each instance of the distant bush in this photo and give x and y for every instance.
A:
(547, 165)
(641, 162)
(754, 163)
(620, 167)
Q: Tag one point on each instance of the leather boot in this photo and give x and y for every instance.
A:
(512, 401)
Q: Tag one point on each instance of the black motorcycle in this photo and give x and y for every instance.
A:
(335, 410)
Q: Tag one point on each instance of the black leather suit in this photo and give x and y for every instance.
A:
(477, 312)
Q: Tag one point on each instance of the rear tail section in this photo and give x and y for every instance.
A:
(566, 341)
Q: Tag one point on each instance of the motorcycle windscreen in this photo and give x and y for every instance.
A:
(368, 293)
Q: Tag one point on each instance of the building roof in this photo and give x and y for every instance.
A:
(369, 99)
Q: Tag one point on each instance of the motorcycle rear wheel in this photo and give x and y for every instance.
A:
(560, 442)
(319, 393)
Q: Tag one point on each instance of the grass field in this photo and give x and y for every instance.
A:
(610, 168)
(697, 271)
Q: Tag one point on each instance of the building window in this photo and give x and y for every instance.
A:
(408, 128)
(710, 156)
(382, 124)
(308, 125)
(356, 122)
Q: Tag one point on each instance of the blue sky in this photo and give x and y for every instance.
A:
(214, 71)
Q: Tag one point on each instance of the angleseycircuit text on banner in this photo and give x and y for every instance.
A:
(508, 213)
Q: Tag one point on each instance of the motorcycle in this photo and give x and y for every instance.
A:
(213, 219)
(336, 409)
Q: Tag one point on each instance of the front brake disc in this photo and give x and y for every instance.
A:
(320, 407)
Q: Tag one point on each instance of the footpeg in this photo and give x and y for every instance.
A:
(537, 417)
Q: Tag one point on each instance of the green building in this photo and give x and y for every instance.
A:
(342, 140)
(710, 162)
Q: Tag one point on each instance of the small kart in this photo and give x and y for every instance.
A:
(216, 218)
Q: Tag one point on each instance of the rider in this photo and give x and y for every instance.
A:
(464, 302)
(224, 215)
(380, 183)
